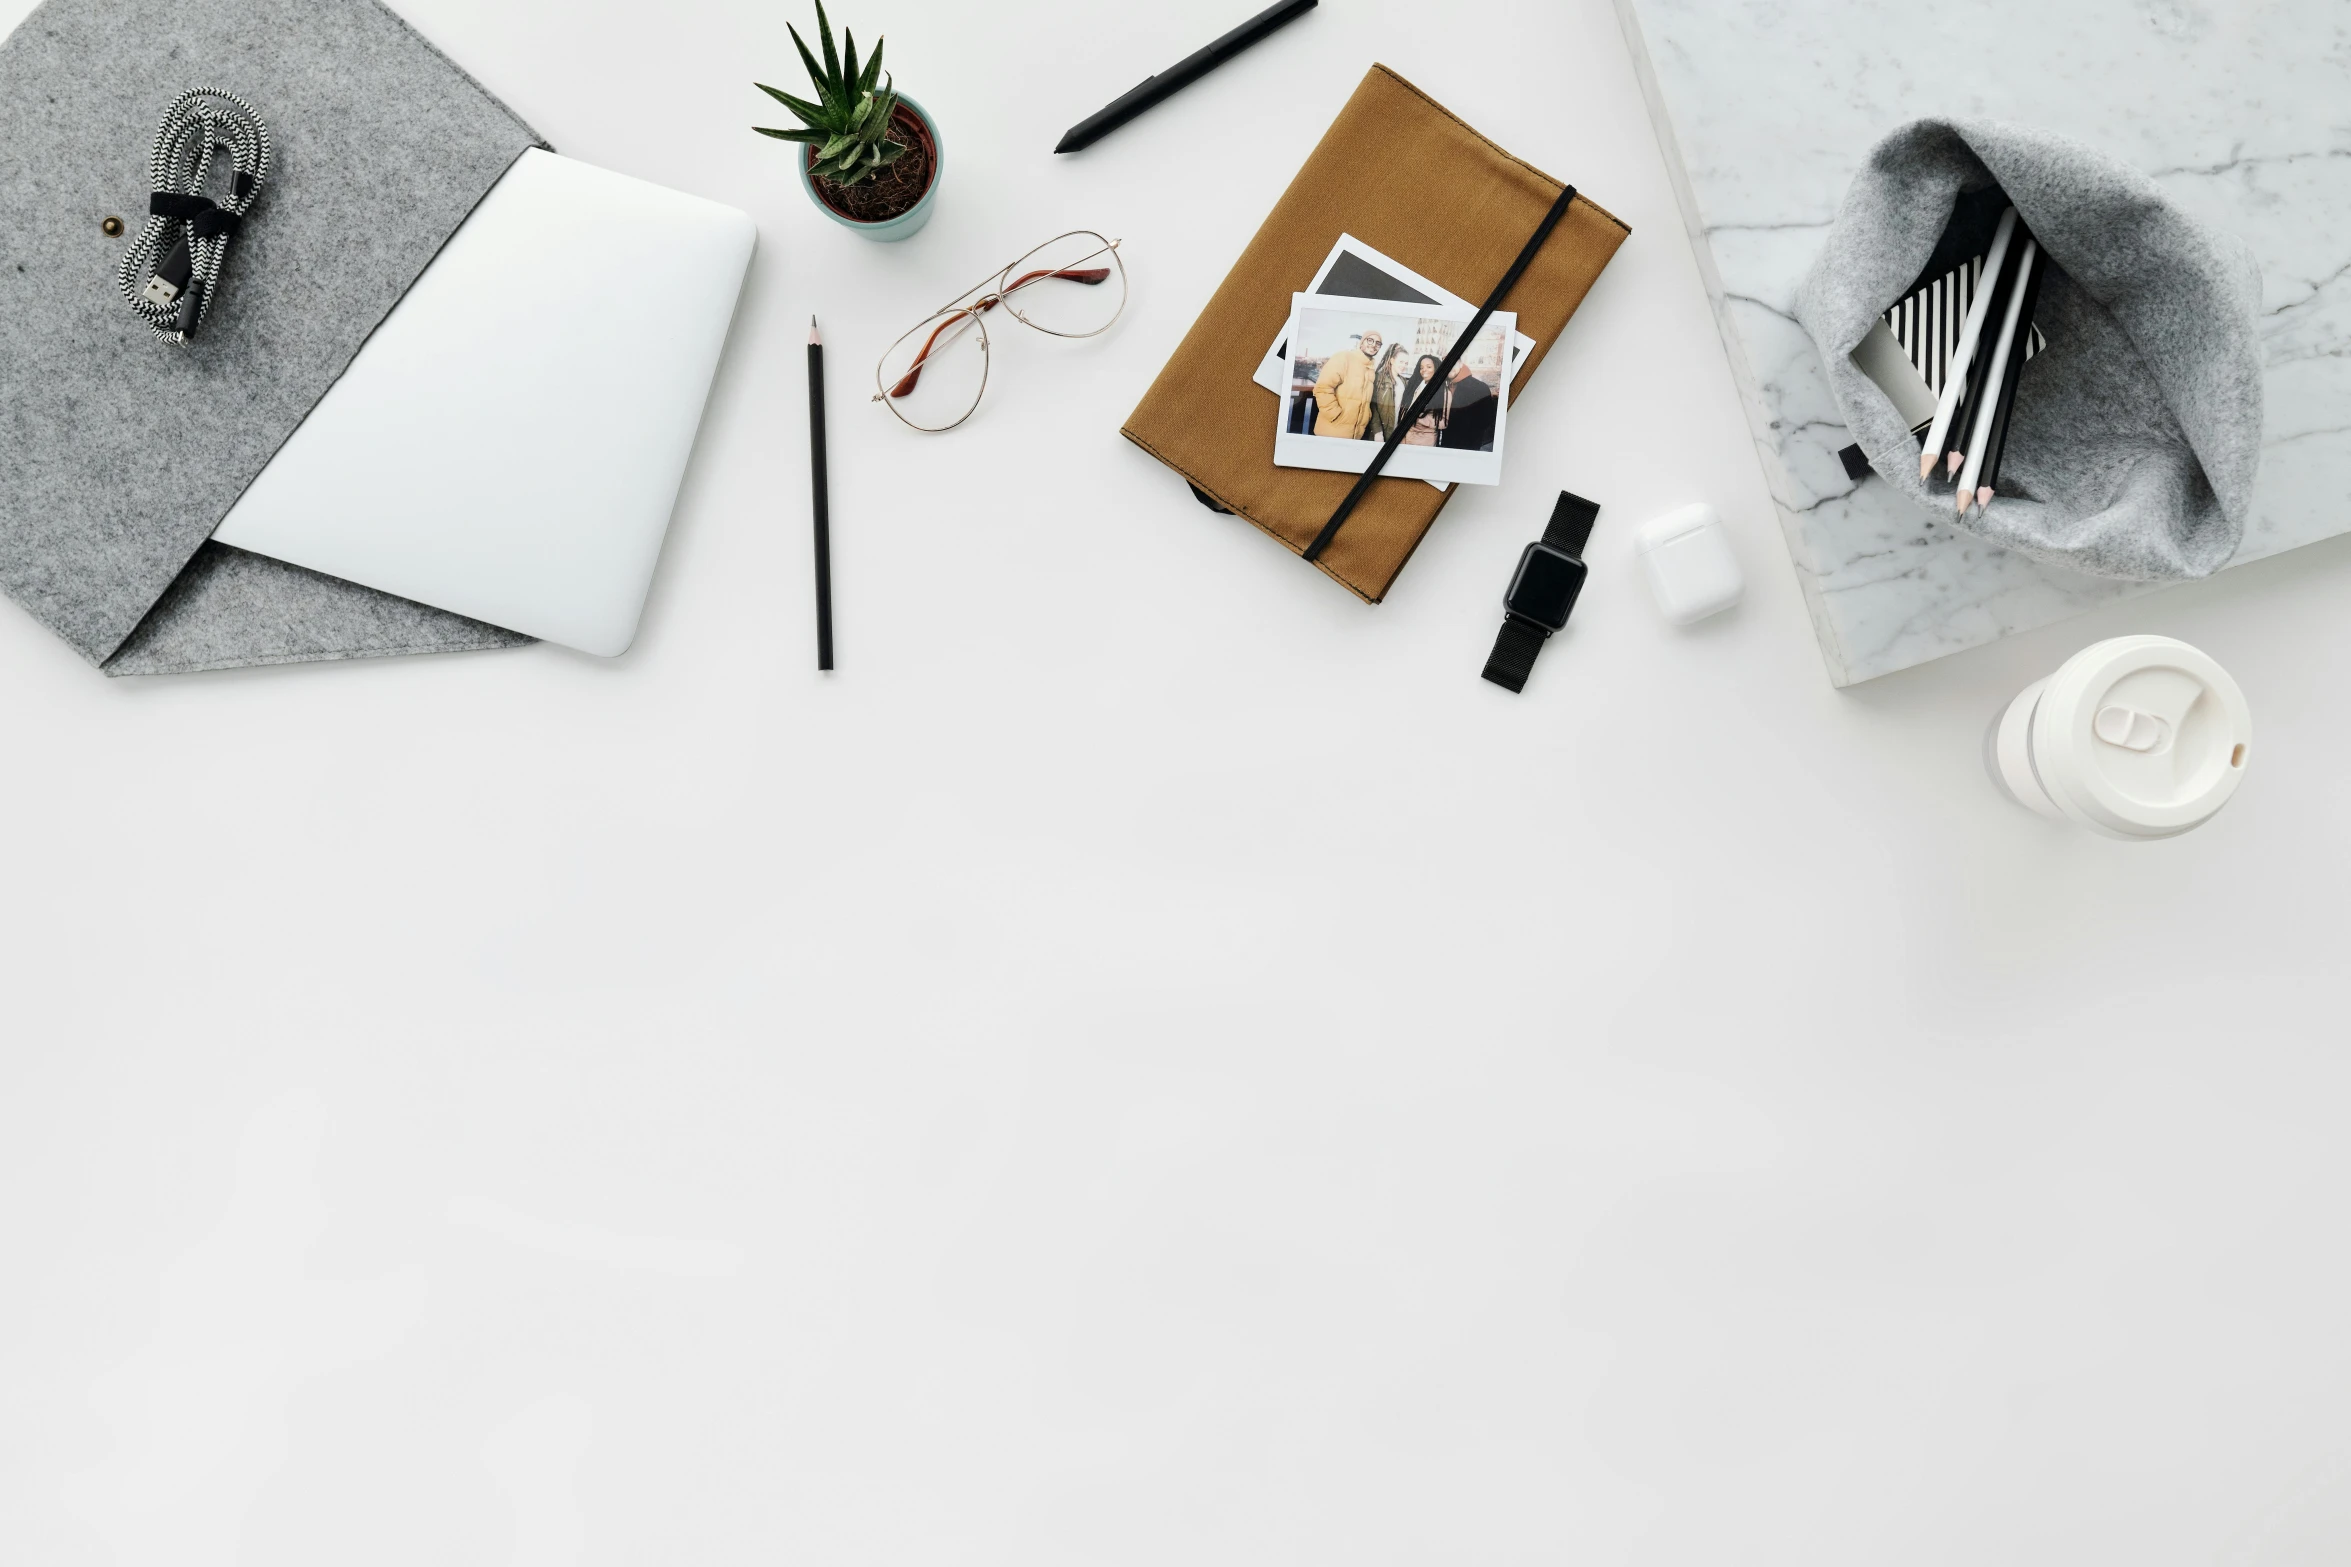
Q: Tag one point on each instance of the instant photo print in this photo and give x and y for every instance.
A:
(1353, 368)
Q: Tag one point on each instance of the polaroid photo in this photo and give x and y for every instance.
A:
(1356, 271)
(1352, 367)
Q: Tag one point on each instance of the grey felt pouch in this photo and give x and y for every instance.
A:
(2136, 435)
(120, 453)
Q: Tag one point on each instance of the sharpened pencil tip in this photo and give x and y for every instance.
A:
(1926, 464)
(1063, 145)
(1983, 496)
(1952, 466)
(812, 336)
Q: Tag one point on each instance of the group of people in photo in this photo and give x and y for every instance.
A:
(1364, 391)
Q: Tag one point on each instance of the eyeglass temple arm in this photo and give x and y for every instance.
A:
(913, 374)
(1086, 275)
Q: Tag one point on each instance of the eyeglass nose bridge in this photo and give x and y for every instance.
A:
(971, 307)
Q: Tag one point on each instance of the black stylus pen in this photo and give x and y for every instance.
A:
(1182, 75)
(820, 505)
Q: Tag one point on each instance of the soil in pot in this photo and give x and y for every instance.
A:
(895, 189)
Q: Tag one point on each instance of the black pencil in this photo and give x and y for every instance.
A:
(1988, 481)
(820, 505)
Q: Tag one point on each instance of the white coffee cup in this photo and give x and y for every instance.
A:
(2137, 737)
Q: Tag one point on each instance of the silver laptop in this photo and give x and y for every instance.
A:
(510, 441)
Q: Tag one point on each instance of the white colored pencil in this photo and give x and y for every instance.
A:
(1955, 378)
(1999, 367)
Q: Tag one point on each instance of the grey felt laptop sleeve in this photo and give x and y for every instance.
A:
(119, 452)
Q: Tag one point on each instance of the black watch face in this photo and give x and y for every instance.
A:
(1546, 585)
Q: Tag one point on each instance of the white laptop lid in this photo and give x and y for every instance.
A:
(510, 442)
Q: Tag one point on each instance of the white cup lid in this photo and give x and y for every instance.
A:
(2141, 737)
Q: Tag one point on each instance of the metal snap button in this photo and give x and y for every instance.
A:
(112, 227)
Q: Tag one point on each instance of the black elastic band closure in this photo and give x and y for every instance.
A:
(1526, 258)
(204, 217)
(1570, 527)
(1513, 658)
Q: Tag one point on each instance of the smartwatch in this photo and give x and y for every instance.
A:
(1542, 591)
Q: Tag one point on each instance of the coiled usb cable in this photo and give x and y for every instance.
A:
(173, 268)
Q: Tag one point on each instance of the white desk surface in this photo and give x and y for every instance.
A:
(1155, 1062)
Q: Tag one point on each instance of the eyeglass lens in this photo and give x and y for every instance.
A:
(933, 375)
(1072, 286)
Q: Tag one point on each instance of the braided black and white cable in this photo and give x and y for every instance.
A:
(173, 268)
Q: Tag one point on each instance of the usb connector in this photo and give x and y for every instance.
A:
(171, 274)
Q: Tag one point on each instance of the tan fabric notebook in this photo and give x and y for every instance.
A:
(1400, 173)
(1407, 177)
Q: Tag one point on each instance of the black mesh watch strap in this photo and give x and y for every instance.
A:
(1570, 528)
(1513, 658)
(1522, 639)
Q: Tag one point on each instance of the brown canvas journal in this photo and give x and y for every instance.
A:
(1400, 173)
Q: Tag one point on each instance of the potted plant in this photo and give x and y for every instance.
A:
(869, 156)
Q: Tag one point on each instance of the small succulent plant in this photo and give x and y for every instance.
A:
(849, 124)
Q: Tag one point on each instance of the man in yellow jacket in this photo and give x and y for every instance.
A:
(1343, 391)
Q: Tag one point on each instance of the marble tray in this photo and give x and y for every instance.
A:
(2241, 110)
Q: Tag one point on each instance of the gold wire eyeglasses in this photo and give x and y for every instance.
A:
(1073, 285)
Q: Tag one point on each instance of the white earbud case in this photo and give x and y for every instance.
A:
(1692, 569)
